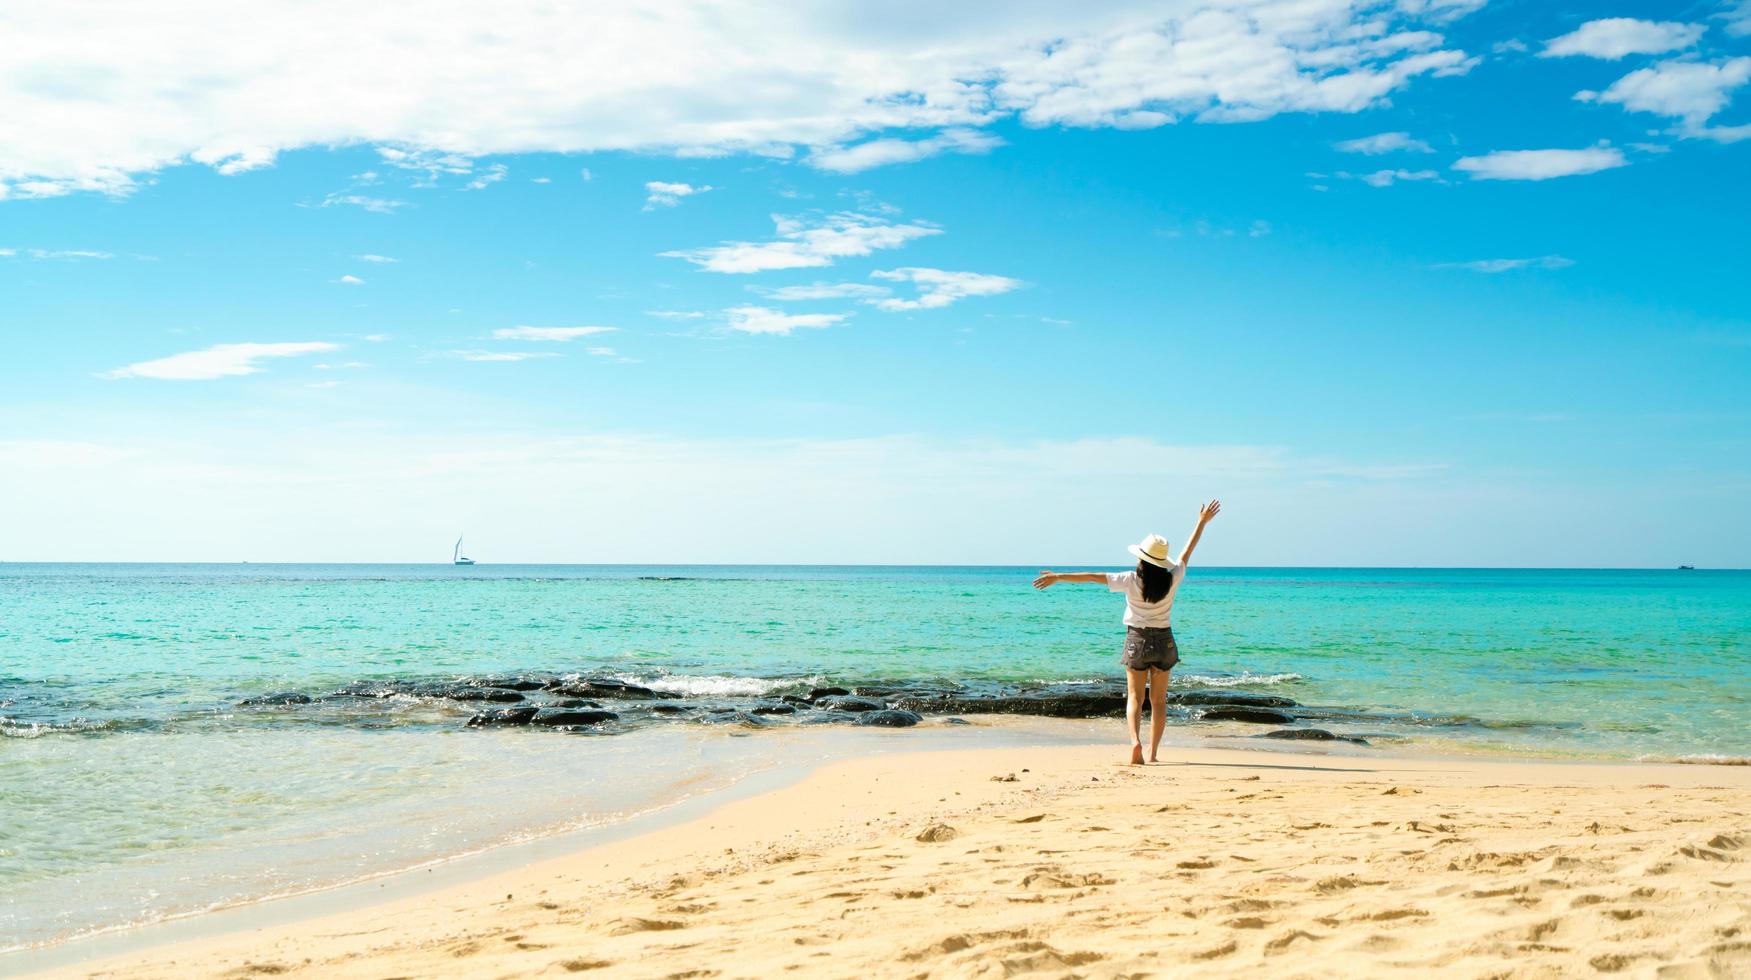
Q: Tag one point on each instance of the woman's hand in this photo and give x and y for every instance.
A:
(1208, 511)
(1045, 579)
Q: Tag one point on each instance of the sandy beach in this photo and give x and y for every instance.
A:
(1059, 861)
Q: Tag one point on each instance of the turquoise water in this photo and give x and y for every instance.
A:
(127, 766)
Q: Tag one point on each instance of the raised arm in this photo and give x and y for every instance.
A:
(1205, 513)
(1046, 579)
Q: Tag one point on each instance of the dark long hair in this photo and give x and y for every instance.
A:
(1154, 580)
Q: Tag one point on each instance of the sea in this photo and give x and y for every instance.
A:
(137, 786)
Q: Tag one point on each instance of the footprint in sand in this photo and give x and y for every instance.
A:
(580, 965)
(1289, 939)
(937, 833)
(1036, 818)
(627, 927)
(1215, 952)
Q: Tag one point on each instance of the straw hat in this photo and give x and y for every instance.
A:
(1152, 549)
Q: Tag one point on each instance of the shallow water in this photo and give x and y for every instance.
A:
(132, 784)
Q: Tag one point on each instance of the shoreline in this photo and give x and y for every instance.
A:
(621, 850)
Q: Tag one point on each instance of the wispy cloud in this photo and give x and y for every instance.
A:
(555, 334)
(493, 356)
(1384, 143)
(379, 259)
(823, 290)
(806, 243)
(491, 175)
(1612, 38)
(666, 195)
(938, 288)
(1386, 178)
(350, 281)
(882, 152)
(765, 320)
(1508, 265)
(218, 361)
(61, 254)
(1540, 164)
(377, 205)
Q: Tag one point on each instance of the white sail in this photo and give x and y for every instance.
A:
(456, 552)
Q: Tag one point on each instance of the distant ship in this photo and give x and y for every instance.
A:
(456, 555)
(1687, 568)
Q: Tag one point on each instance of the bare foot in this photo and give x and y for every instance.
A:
(1152, 759)
(1136, 755)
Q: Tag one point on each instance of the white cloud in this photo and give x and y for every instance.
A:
(557, 334)
(938, 288)
(378, 205)
(62, 254)
(541, 180)
(1386, 178)
(350, 281)
(1509, 265)
(823, 290)
(805, 244)
(491, 356)
(1384, 143)
(666, 195)
(343, 366)
(1614, 37)
(1540, 164)
(218, 361)
(93, 103)
(676, 314)
(1692, 91)
(765, 320)
(491, 175)
(1738, 18)
(882, 152)
(379, 259)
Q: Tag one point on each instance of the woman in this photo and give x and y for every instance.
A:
(1150, 652)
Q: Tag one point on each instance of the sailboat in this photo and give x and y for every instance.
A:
(456, 555)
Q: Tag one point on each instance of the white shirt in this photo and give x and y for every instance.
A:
(1146, 614)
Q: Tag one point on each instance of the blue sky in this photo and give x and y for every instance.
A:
(1428, 283)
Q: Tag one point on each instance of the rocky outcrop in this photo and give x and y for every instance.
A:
(503, 717)
(571, 716)
(1312, 735)
(890, 718)
(1257, 716)
(277, 698)
(849, 703)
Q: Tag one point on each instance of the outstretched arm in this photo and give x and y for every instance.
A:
(1205, 513)
(1046, 579)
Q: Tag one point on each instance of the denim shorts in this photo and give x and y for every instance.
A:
(1149, 647)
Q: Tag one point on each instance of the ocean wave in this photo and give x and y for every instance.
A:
(1241, 679)
(1704, 759)
(720, 685)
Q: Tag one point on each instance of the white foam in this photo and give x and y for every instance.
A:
(718, 685)
(1244, 678)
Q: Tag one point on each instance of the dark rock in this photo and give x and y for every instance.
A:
(1312, 735)
(602, 688)
(669, 708)
(827, 692)
(280, 697)
(1261, 716)
(557, 716)
(951, 720)
(741, 718)
(829, 718)
(498, 717)
(462, 692)
(1247, 698)
(890, 718)
(575, 703)
(773, 709)
(792, 699)
(1058, 701)
(372, 689)
(848, 703)
(514, 683)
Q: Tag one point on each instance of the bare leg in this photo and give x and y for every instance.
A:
(1157, 708)
(1134, 684)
